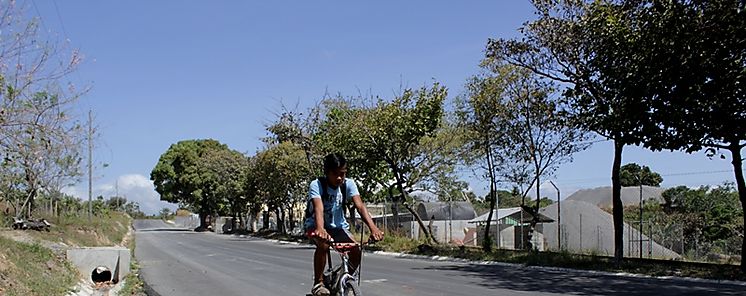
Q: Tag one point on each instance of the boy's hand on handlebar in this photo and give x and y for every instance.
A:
(376, 234)
(322, 234)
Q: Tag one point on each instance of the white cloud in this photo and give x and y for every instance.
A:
(134, 187)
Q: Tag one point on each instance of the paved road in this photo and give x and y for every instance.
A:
(180, 262)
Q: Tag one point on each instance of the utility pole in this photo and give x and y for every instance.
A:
(581, 232)
(641, 229)
(90, 164)
(116, 189)
(559, 218)
(450, 218)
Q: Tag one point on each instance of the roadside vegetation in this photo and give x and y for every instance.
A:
(33, 262)
(133, 285)
(32, 269)
(701, 223)
(651, 267)
(101, 231)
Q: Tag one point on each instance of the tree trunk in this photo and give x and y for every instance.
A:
(616, 201)
(31, 193)
(265, 220)
(290, 218)
(256, 210)
(202, 220)
(486, 244)
(735, 151)
(424, 228)
(279, 221)
(394, 208)
(534, 214)
(400, 186)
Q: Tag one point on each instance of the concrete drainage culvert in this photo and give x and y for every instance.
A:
(106, 267)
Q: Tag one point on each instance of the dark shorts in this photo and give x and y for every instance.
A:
(339, 235)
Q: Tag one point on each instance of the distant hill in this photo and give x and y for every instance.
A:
(597, 228)
(601, 196)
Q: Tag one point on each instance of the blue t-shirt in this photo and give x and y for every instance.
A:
(333, 212)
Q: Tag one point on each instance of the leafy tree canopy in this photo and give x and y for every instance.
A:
(633, 175)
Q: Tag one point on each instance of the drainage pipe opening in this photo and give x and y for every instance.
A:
(101, 274)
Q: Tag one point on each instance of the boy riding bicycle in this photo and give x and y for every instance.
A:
(325, 220)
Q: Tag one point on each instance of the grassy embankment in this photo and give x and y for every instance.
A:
(29, 267)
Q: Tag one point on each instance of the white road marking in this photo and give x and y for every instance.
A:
(375, 281)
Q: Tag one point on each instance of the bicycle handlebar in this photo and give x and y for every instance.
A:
(370, 241)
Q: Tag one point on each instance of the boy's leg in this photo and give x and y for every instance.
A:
(319, 261)
(319, 256)
(344, 236)
(355, 257)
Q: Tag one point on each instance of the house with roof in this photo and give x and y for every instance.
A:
(510, 228)
(447, 221)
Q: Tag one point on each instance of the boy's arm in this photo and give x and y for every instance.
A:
(318, 214)
(314, 193)
(376, 233)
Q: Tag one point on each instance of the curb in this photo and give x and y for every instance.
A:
(558, 269)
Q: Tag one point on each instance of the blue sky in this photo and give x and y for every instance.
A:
(164, 71)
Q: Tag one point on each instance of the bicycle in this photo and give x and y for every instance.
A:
(338, 279)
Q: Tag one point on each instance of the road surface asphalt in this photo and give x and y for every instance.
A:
(177, 261)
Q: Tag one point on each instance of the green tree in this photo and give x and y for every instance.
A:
(687, 59)
(341, 130)
(435, 169)
(132, 208)
(282, 180)
(179, 178)
(571, 43)
(535, 136)
(116, 203)
(486, 137)
(40, 135)
(632, 174)
(224, 177)
(393, 145)
(395, 131)
(699, 78)
(706, 213)
(165, 213)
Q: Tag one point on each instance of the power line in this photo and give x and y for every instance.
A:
(698, 173)
(59, 17)
(41, 20)
(585, 180)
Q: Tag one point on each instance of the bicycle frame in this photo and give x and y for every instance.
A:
(341, 272)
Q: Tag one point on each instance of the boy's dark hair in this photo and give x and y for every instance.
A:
(334, 161)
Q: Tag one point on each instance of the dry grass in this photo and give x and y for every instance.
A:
(31, 269)
(101, 231)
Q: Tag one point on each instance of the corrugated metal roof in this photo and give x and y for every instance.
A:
(440, 211)
(500, 214)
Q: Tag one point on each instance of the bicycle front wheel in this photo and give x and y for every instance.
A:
(351, 288)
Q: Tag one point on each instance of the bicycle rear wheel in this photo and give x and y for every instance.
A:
(351, 288)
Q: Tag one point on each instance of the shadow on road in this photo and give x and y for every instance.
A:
(531, 280)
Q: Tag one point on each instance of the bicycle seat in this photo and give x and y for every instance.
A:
(344, 247)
